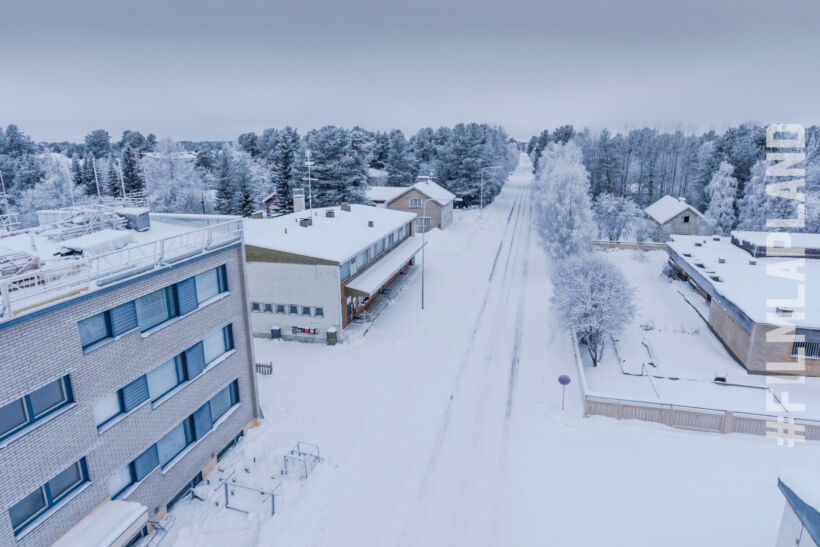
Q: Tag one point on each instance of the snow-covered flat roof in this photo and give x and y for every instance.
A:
(106, 525)
(369, 282)
(668, 207)
(77, 257)
(746, 285)
(336, 238)
(798, 240)
(385, 193)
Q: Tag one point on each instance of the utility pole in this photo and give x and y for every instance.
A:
(309, 179)
(96, 180)
(423, 232)
(122, 180)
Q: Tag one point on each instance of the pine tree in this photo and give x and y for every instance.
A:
(76, 171)
(284, 157)
(131, 173)
(224, 190)
(401, 164)
(722, 191)
(241, 181)
(89, 178)
(112, 179)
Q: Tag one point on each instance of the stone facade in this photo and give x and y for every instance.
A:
(44, 346)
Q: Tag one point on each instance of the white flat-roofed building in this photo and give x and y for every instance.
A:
(752, 290)
(315, 270)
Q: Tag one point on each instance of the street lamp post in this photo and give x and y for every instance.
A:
(482, 186)
(423, 232)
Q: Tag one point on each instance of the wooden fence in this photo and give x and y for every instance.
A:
(264, 368)
(629, 245)
(691, 417)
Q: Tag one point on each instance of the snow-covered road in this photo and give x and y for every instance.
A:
(444, 427)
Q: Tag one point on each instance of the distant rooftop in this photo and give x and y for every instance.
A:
(667, 208)
(81, 248)
(424, 184)
(335, 238)
(743, 279)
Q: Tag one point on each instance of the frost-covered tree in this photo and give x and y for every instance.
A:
(615, 215)
(241, 182)
(112, 180)
(753, 206)
(401, 164)
(132, 175)
(722, 192)
(593, 297)
(340, 165)
(249, 143)
(224, 190)
(564, 213)
(284, 170)
(98, 143)
(76, 171)
(28, 173)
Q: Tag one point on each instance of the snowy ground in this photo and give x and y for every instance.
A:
(444, 427)
(687, 356)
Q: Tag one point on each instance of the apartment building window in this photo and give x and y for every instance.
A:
(217, 344)
(344, 271)
(210, 284)
(424, 222)
(175, 441)
(25, 511)
(108, 408)
(121, 480)
(256, 306)
(320, 312)
(415, 203)
(294, 308)
(268, 308)
(224, 400)
(34, 406)
(165, 377)
(305, 310)
(280, 308)
(95, 329)
(379, 246)
(156, 307)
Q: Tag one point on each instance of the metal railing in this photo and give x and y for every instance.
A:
(69, 277)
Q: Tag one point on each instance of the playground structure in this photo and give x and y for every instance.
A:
(301, 460)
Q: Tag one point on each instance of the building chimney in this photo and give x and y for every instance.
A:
(682, 198)
(345, 207)
(330, 213)
(298, 202)
(369, 223)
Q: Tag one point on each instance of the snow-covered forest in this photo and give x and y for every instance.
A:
(722, 174)
(235, 177)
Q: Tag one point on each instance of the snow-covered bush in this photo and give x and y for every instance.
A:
(722, 191)
(593, 297)
(645, 230)
(615, 215)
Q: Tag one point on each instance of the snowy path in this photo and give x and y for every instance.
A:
(443, 427)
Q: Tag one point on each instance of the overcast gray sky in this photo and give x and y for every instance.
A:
(211, 70)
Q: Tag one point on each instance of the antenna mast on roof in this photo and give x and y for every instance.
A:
(308, 178)
(96, 180)
(122, 180)
(4, 198)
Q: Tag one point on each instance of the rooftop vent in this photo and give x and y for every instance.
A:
(715, 278)
(369, 223)
(345, 207)
(330, 213)
(698, 244)
(305, 222)
(722, 260)
(699, 264)
(688, 255)
(716, 238)
(721, 379)
(752, 262)
(784, 311)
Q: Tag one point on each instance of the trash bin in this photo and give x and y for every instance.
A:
(331, 336)
(276, 332)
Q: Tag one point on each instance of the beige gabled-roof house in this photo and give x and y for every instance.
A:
(432, 203)
(675, 216)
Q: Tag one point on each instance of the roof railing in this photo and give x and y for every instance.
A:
(66, 278)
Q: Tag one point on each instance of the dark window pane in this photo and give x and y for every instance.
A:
(220, 403)
(65, 481)
(172, 444)
(12, 416)
(153, 309)
(94, 329)
(26, 508)
(47, 397)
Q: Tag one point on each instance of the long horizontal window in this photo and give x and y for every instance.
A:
(25, 511)
(173, 443)
(35, 406)
(166, 377)
(153, 309)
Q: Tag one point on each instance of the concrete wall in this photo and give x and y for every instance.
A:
(676, 225)
(732, 335)
(301, 284)
(440, 217)
(47, 346)
(764, 351)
